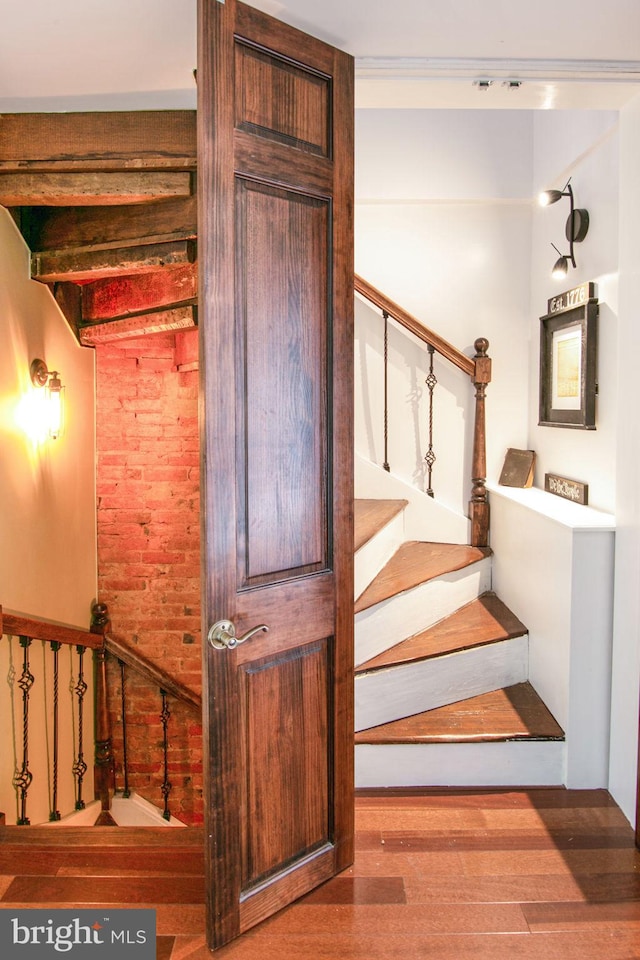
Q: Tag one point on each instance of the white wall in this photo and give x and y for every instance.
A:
(553, 565)
(47, 520)
(583, 146)
(443, 226)
(626, 635)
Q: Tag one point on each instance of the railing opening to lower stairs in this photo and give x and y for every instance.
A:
(477, 368)
(124, 666)
(54, 693)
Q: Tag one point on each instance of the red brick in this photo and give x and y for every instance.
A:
(148, 553)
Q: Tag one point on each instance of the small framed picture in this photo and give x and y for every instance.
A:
(568, 343)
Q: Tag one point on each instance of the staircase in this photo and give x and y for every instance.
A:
(442, 696)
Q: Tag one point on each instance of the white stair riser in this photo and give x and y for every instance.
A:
(402, 616)
(375, 553)
(400, 691)
(505, 764)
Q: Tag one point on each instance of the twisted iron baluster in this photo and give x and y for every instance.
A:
(430, 456)
(386, 400)
(55, 813)
(166, 786)
(125, 792)
(80, 767)
(11, 680)
(23, 777)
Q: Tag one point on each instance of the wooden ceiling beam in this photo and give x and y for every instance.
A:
(143, 292)
(183, 317)
(56, 228)
(68, 296)
(90, 189)
(139, 137)
(187, 351)
(77, 266)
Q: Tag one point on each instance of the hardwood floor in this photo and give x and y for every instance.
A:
(523, 875)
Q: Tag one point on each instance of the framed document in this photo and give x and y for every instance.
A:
(568, 355)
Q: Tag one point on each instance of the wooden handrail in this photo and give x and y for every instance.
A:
(17, 625)
(478, 368)
(145, 668)
(445, 349)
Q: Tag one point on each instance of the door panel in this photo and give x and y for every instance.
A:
(288, 691)
(275, 238)
(281, 382)
(298, 109)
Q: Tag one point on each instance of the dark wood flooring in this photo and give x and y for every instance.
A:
(545, 874)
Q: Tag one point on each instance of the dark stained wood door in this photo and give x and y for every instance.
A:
(275, 256)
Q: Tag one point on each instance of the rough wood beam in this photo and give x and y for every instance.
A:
(142, 137)
(122, 296)
(186, 352)
(55, 228)
(90, 189)
(68, 296)
(163, 321)
(87, 265)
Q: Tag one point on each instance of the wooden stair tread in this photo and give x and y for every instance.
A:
(417, 562)
(513, 713)
(485, 620)
(370, 516)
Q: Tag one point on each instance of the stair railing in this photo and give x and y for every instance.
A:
(25, 678)
(477, 368)
(24, 675)
(128, 659)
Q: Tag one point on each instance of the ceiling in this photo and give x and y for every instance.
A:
(85, 55)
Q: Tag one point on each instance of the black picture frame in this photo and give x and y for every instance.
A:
(568, 367)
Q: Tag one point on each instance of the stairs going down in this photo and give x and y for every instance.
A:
(442, 696)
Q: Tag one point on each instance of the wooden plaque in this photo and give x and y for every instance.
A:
(572, 490)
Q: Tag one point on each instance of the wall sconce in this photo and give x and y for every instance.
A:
(54, 391)
(576, 228)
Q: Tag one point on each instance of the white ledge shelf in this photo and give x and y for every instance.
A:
(573, 515)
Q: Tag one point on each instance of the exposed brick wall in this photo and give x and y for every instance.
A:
(149, 554)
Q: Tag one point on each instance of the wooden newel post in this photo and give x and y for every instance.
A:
(479, 503)
(103, 761)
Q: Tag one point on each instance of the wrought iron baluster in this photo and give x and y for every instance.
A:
(54, 813)
(386, 391)
(23, 777)
(11, 681)
(166, 786)
(430, 456)
(125, 765)
(80, 767)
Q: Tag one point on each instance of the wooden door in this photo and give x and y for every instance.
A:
(275, 187)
